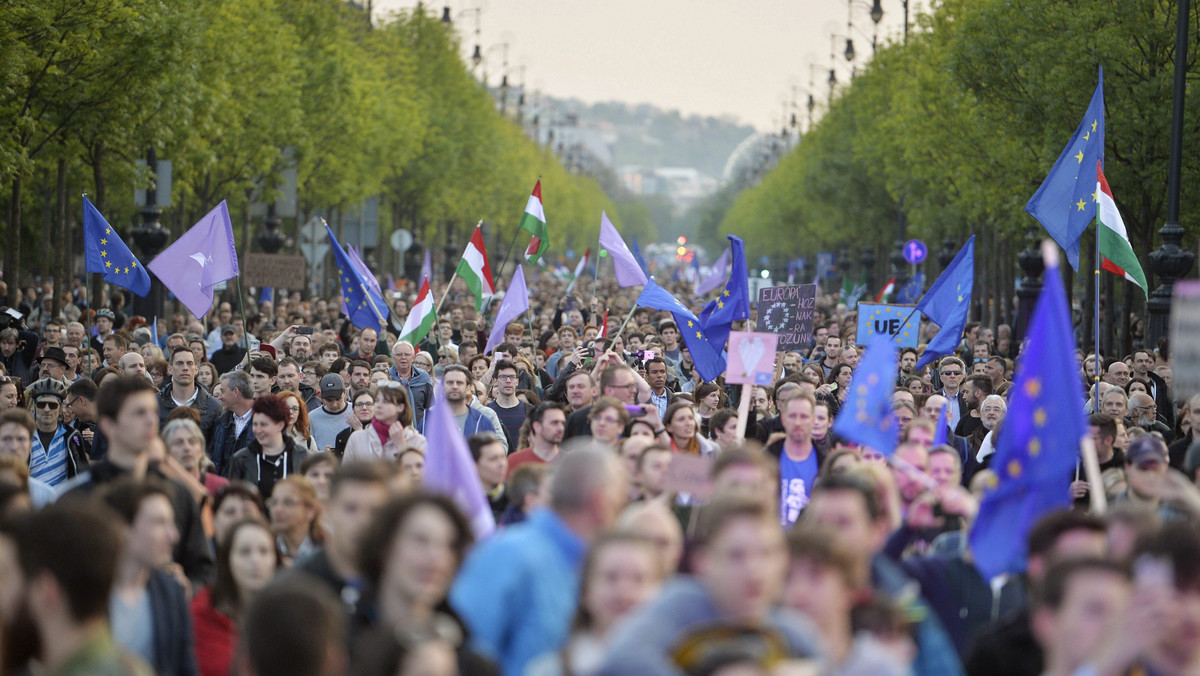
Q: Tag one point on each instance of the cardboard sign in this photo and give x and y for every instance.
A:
(278, 271)
(1185, 339)
(898, 322)
(751, 358)
(689, 474)
(788, 312)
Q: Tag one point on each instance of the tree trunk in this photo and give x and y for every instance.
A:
(63, 270)
(98, 156)
(12, 252)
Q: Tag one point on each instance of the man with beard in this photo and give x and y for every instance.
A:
(1143, 413)
(457, 381)
(992, 410)
(976, 388)
(546, 426)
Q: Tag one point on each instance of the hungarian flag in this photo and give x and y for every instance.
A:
(604, 326)
(851, 293)
(475, 270)
(1117, 253)
(534, 222)
(579, 268)
(421, 318)
(886, 292)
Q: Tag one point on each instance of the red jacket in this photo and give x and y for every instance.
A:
(216, 636)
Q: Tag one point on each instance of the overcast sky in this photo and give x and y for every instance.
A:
(710, 57)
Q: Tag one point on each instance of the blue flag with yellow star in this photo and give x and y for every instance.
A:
(911, 291)
(947, 304)
(1039, 443)
(104, 252)
(733, 305)
(364, 307)
(898, 322)
(709, 363)
(1065, 204)
(866, 418)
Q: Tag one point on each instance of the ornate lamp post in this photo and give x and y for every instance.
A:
(150, 237)
(1030, 260)
(867, 259)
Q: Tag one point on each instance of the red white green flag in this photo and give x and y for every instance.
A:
(534, 222)
(421, 318)
(1115, 250)
(475, 270)
(579, 268)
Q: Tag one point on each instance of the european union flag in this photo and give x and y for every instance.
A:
(866, 418)
(1065, 205)
(104, 252)
(1039, 444)
(733, 304)
(911, 290)
(709, 363)
(364, 306)
(637, 255)
(948, 302)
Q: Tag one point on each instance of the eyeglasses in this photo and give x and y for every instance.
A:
(363, 404)
(506, 377)
(71, 403)
(952, 373)
(52, 405)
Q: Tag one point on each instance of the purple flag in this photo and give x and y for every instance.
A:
(449, 468)
(426, 269)
(512, 306)
(201, 258)
(716, 275)
(629, 273)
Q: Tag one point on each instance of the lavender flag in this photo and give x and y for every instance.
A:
(512, 306)
(201, 258)
(449, 468)
(717, 275)
(629, 273)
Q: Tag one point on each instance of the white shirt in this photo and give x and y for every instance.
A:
(240, 422)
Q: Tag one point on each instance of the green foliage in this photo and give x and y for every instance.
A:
(234, 92)
(960, 125)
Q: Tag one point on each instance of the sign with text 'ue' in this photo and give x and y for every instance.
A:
(899, 322)
(1185, 338)
(787, 311)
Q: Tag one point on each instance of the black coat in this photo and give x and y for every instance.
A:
(245, 465)
(192, 550)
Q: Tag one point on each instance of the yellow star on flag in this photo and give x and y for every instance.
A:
(726, 293)
(1080, 204)
(690, 324)
(1079, 157)
(1087, 136)
(126, 270)
(108, 264)
(1035, 447)
(699, 335)
(104, 241)
(720, 304)
(1014, 469)
(104, 254)
(1039, 417)
(133, 264)
(1093, 125)
(1033, 387)
(1095, 197)
(108, 231)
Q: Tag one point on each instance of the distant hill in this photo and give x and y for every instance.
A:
(649, 136)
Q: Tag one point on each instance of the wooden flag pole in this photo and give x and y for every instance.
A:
(627, 318)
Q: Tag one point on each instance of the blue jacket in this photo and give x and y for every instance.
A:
(477, 422)
(420, 393)
(517, 591)
(936, 655)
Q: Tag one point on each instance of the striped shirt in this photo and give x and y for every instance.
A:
(49, 465)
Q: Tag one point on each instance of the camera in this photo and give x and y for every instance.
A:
(10, 318)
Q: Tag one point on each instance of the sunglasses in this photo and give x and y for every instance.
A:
(52, 405)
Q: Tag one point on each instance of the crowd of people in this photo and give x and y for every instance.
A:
(245, 495)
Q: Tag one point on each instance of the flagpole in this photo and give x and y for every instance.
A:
(1096, 312)
(242, 311)
(511, 244)
(627, 318)
(445, 293)
(596, 270)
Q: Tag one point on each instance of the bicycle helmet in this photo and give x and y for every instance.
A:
(46, 387)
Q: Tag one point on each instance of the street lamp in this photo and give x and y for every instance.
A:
(849, 53)
(876, 11)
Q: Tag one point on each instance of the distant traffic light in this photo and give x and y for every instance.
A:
(681, 240)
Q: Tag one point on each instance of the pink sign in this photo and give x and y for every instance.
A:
(751, 358)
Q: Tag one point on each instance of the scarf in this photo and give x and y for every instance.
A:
(382, 430)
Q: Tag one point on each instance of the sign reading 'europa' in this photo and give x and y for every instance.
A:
(788, 312)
